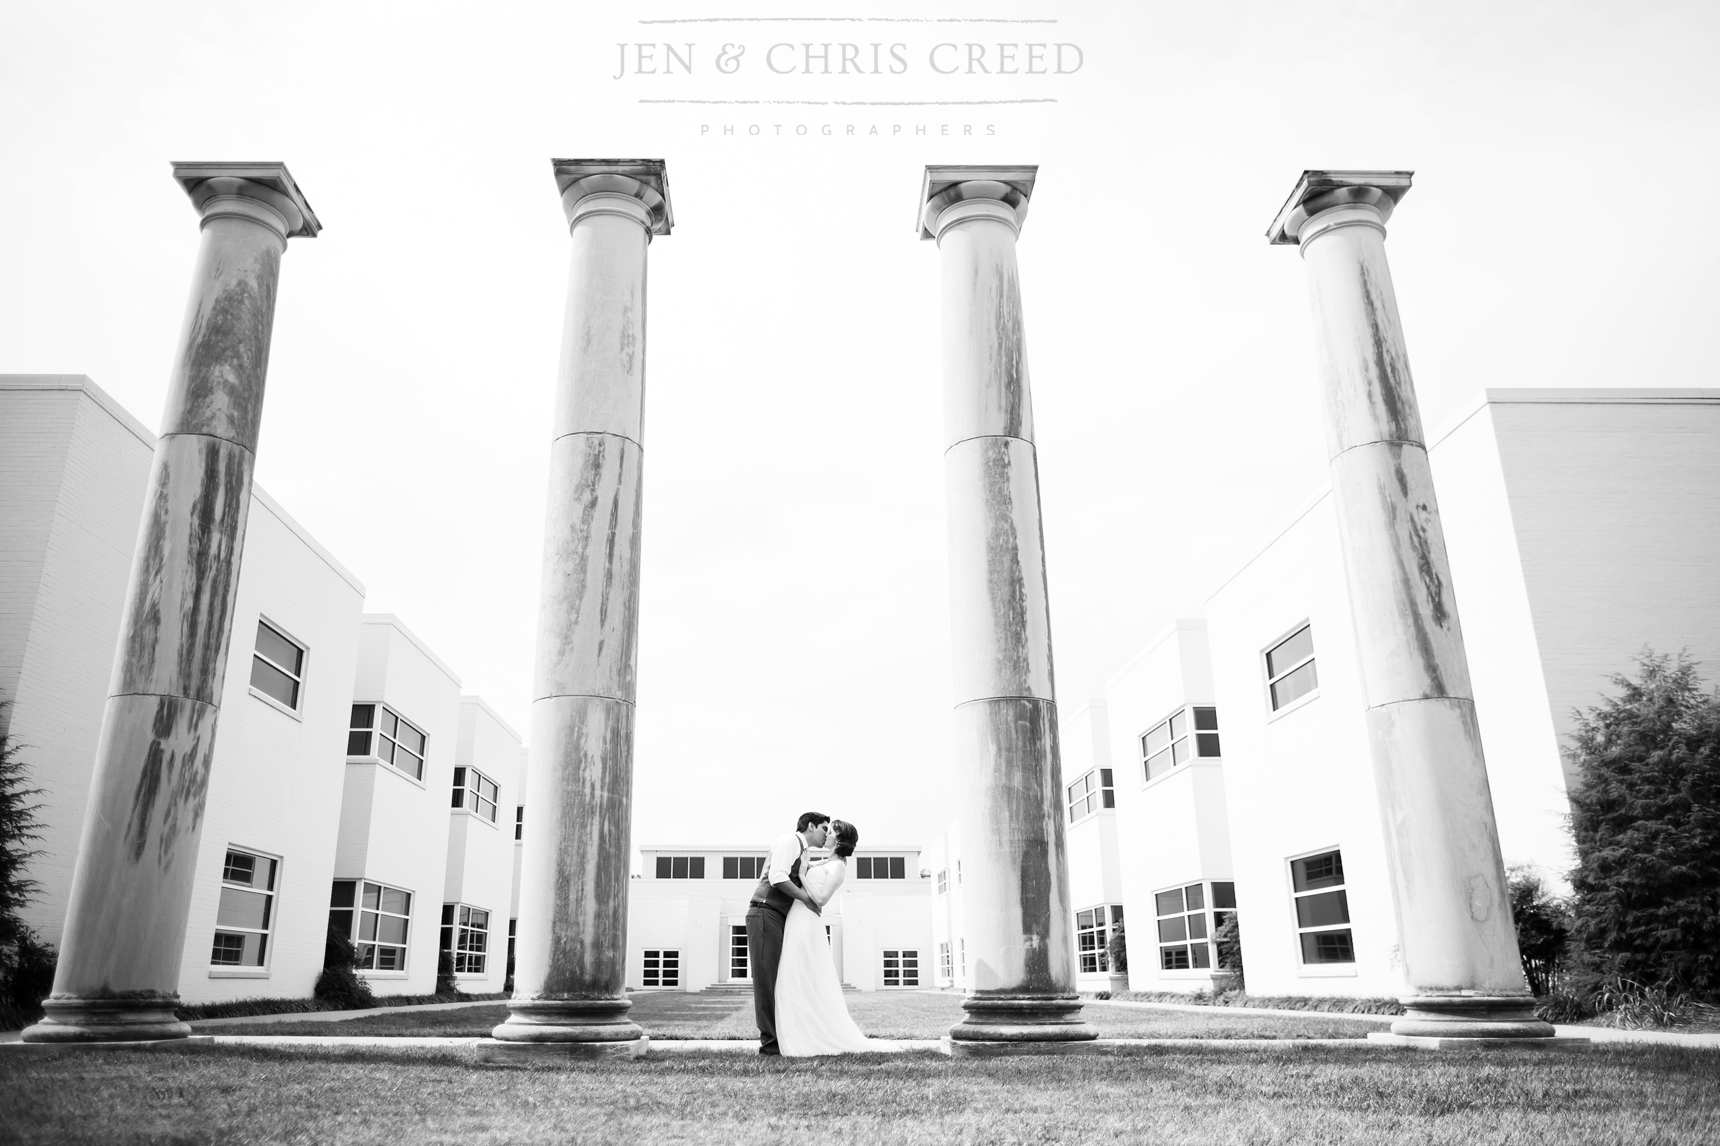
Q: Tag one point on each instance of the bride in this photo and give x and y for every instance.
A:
(811, 1015)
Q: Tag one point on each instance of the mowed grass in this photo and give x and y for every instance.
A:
(207, 1094)
(886, 1015)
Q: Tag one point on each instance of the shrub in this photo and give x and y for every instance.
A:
(26, 963)
(339, 984)
(1117, 951)
(26, 978)
(1646, 817)
(1543, 928)
(445, 983)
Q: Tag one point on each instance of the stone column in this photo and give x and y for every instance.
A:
(1020, 942)
(118, 972)
(1458, 945)
(570, 966)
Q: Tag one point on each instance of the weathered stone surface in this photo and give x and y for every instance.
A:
(1000, 614)
(603, 331)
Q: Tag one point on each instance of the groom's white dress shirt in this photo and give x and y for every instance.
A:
(783, 853)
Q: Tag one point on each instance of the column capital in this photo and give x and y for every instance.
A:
(1319, 191)
(262, 192)
(995, 192)
(635, 188)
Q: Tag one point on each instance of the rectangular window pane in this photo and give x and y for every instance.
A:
(358, 743)
(898, 867)
(863, 867)
(731, 867)
(242, 909)
(411, 738)
(1206, 744)
(272, 682)
(1224, 895)
(280, 650)
(1158, 739)
(390, 724)
(1158, 765)
(678, 867)
(1169, 902)
(1110, 798)
(1173, 929)
(1173, 958)
(1299, 683)
(363, 716)
(1179, 726)
(372, 894)
(342, 894)
(1197, 926)
(696, 867)
(663, 867)
(397, 901)
(228, 951)
(1206, 719)
(239, 868)
(1202, 954)
(1314, 872)
(1195, 896)
(390, 929)
(1298, 646)
(1179, 752)
(1323, 910)
(1328, 947)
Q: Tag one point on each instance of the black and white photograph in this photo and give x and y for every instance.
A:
(538, 604)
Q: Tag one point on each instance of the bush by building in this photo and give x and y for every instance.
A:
(26, 963)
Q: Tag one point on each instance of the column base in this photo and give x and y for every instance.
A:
(1471, 1017)
(1025, 1020)
(494, 1052)
(983, 1048)
(76, 1020)
(568, 1021)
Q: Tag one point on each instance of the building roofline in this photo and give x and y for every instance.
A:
(1152, 644)
(268, 502)
(417, 642)
(480, 702)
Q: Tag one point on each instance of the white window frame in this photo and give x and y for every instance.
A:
(1097, 794)
(865, 867)
(760, 865)
(298, 678)
(355, 927)
(904, 963)
(1190, 745)
(519, 822)
(1102, 921)
(943, 880)
(1191, 945)
(689, 862)
(1268, 678)
(946, 963)
(739, 955)
(660, 968)
(460, 925)
(471, 797)
(1332, 967)
(271, 896)
(375, 736)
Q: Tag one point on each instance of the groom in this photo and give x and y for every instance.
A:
(771, 899)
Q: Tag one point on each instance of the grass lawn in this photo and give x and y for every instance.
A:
(205, 1094)
(907, 1015)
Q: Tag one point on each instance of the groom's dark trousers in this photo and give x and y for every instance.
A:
(765, 917)
(764, 952)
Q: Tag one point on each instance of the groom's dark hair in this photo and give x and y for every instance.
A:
(807, 819)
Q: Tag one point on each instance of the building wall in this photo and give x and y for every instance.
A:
(73, 466)
(1095, 879)
(480, 869)
(393, 828)
(276, 772)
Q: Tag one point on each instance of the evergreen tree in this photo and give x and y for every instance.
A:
(1646, 817)
(19, 828)
(1543, 929)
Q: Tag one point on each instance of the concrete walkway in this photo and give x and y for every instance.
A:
(341, 1016)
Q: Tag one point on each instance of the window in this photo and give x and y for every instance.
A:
(961, 946)
(1093, 929)
(513, 926)
(946, 965)
(738, 963)
(662, 969)
(378, 731)
(744, 867)
(246, 911)
(881, 867)
(1290, 668)
(519, 821)
(278, 666)
(680, 867)
(1090, 793)
(1223, 904)
(1322, 908)
(901, 968)
(958, 872)
(943, 880)
(384, 916)
(476, 793)
(1169, 743)
(1183, 928)
(466, 935)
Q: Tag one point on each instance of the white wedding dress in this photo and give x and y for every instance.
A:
(811, 1015)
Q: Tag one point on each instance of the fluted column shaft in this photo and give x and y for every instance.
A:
(571, 950)
(1457, 942)
(119, 961)
(1020, 944)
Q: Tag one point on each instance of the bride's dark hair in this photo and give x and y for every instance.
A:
(847, 835)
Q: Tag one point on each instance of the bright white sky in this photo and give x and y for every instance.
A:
(794, 648)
